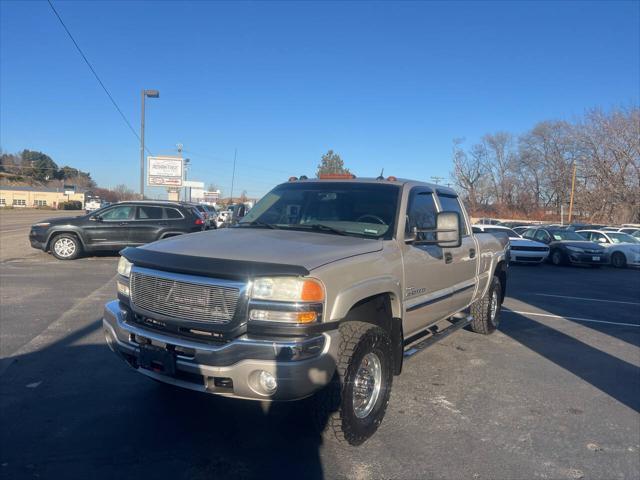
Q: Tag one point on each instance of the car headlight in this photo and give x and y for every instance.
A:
(286, 299)
(124, 267)
(41, 224)
(576, 249)
(287, 289)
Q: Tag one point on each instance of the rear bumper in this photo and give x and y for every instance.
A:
(300, 367)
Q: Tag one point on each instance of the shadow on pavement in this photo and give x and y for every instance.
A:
(74, 410)
(613, 376)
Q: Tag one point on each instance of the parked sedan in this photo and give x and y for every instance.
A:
(569, 247)
(114, 227)
(522, 250)
(623, 248)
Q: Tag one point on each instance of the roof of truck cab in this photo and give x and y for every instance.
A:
(370, 180)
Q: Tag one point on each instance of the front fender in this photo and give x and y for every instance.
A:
(65, 229)
(368, 288)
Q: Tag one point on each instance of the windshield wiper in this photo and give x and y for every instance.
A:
(326, 228)
(257, 223)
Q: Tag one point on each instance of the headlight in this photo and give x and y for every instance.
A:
(287, 289)
(41, 224)
(576, 249)
(124, 267)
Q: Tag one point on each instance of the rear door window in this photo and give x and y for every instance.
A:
(148, 212)
(173, 213)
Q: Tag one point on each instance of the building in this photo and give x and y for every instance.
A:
(32, 197)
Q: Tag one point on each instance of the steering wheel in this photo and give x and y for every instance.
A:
(368, 215)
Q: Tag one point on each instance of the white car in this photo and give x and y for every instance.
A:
(623, 248)
(522, 250)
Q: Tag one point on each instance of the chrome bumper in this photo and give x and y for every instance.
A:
(300, 367)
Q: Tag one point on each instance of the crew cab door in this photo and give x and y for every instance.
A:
(462, 260)
(427, 284)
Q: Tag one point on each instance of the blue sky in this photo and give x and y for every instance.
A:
(383, 84)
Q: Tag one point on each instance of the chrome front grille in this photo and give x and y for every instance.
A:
(184, 297)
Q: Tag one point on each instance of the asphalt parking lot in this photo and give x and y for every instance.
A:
(554, 394)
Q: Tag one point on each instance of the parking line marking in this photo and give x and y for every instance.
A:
(589, 320)
(586, 299)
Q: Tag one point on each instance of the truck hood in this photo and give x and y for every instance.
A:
(286, 247)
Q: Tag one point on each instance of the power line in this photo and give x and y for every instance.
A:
(95, 74)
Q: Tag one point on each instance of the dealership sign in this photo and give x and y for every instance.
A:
(164, 171)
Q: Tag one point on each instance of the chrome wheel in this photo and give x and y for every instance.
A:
(65, 247)
(367, 385)
(493, 309)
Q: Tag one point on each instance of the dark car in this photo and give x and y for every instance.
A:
(568, 247)
(115, 227)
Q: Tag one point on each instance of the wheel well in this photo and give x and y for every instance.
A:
(63, 232)
(377, 311)
(170, 234)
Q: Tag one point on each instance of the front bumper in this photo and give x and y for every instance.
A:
(589, 258)
(37, 239)
(527, 256)
(300, 366)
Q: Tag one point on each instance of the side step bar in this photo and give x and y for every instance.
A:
(433, 334)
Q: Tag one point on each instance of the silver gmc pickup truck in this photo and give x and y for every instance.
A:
(322, 290)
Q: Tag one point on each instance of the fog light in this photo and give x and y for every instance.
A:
(267, 381)
(123, 289)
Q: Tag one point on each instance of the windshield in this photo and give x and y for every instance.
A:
(617, 237)
(339, 208)
(508, 231)
(566, 235)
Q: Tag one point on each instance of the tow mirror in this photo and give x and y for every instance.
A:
(446, 233)
(448, 229)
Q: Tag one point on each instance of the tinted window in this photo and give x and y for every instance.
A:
(363, 209)
(118, 213)
(529, 233)
(149, 213)
(173, 213)
(451, 204)
(421, 214)
(541, 236)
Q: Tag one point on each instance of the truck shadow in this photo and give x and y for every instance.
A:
(74, 410)
(611, 375)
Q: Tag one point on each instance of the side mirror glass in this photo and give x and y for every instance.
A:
(448, 230)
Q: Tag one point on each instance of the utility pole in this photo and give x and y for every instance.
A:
(233, 175)
(573, 186)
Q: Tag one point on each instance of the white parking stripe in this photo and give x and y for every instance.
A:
(586, 299)
(578, 319)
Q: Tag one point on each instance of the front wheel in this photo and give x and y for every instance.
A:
(618, 260)
(352, 406)
(557, 258)
(66, 247)
(486, 310)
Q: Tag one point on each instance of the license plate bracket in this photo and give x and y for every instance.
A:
(157, 360)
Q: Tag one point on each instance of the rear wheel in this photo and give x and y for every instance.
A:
(65, 246)
(486, 311)
(352, 406)
(618, 260)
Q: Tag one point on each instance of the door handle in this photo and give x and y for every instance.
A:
(448, 258)
(472, 253)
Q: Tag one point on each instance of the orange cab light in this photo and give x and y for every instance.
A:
(336, 176)
(293, 179)
(312, 291)
(307, 317)
(392, 178)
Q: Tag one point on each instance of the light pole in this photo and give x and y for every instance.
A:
(186, 170)
(150, 94)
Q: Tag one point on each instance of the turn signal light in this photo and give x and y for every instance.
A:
(199, 221)
(312, 291)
